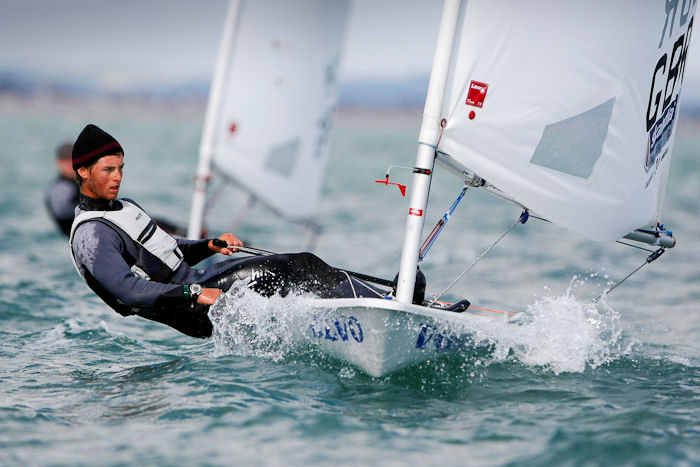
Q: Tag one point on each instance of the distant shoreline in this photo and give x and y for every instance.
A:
(195, 108)
(187, 108)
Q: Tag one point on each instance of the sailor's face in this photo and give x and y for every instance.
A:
(102, 180)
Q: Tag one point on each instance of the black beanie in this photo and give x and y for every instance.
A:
(93, 143)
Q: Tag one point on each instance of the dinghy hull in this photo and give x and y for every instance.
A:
(382, 336)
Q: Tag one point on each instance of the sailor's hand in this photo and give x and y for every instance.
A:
(208, 296)
(230, 241)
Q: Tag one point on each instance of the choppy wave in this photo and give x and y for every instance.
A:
(563, 383)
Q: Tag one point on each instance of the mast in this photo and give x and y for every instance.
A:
(213, 109)
(425, 158)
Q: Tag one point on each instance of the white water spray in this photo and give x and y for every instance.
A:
(562, 334)
(248, 324)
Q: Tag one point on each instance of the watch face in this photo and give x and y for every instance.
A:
(195, 289)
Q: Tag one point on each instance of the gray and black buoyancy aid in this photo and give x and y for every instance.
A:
(142, 230)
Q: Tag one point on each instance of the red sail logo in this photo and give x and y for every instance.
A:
(477, 94)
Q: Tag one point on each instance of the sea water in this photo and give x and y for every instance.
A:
(573, 383)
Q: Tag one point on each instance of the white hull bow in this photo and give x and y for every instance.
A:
(382, 336)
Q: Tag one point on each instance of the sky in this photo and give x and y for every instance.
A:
(121, 43)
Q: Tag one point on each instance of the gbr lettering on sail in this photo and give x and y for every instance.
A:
(666, 79)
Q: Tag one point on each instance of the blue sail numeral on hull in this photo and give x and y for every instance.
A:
(342, 328)
(430, 336)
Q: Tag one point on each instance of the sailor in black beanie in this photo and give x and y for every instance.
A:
(137, 268)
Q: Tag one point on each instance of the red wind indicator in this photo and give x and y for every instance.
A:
(402, 188)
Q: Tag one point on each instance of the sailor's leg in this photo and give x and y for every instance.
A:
(188, 319)
(284, 273)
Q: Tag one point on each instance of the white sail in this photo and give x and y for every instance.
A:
(272, 101)
(569, 107)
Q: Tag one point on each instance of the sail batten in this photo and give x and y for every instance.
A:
(570, 107)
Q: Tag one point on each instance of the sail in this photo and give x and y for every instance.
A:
(569, 107)
(273, 98)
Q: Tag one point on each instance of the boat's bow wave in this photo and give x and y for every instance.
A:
(564, 334)
(556, 333)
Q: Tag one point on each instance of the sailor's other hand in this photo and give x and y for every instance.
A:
(225, 243)
(208, 296)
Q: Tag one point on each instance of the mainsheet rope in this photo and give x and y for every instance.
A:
(521, 220)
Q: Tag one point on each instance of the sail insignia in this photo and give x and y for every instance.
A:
(574, 145)
(283, 158)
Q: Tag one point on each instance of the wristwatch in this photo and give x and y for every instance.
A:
(195, 290)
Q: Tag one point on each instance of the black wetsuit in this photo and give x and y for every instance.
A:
(105, 254)
(61, 199)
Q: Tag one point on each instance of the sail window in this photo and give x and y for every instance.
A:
(573, 146)
(283, 158)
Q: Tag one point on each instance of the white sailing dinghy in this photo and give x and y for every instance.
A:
(564, 107)
(270, 106)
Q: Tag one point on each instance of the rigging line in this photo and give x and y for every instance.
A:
(213, 199)
(358, 275)
(352, 286)
(243, 213)
(510, 313)
(428, 243)
(374, 291)
(616, 241)
(634, 246)
(652, 257)
(443, 124)
(350, 276)
(472, 307)
(253, 250)
(540, 218)
(436, 298)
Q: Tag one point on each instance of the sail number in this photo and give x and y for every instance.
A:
(342, 329)
(430, 337)
(668, 73)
